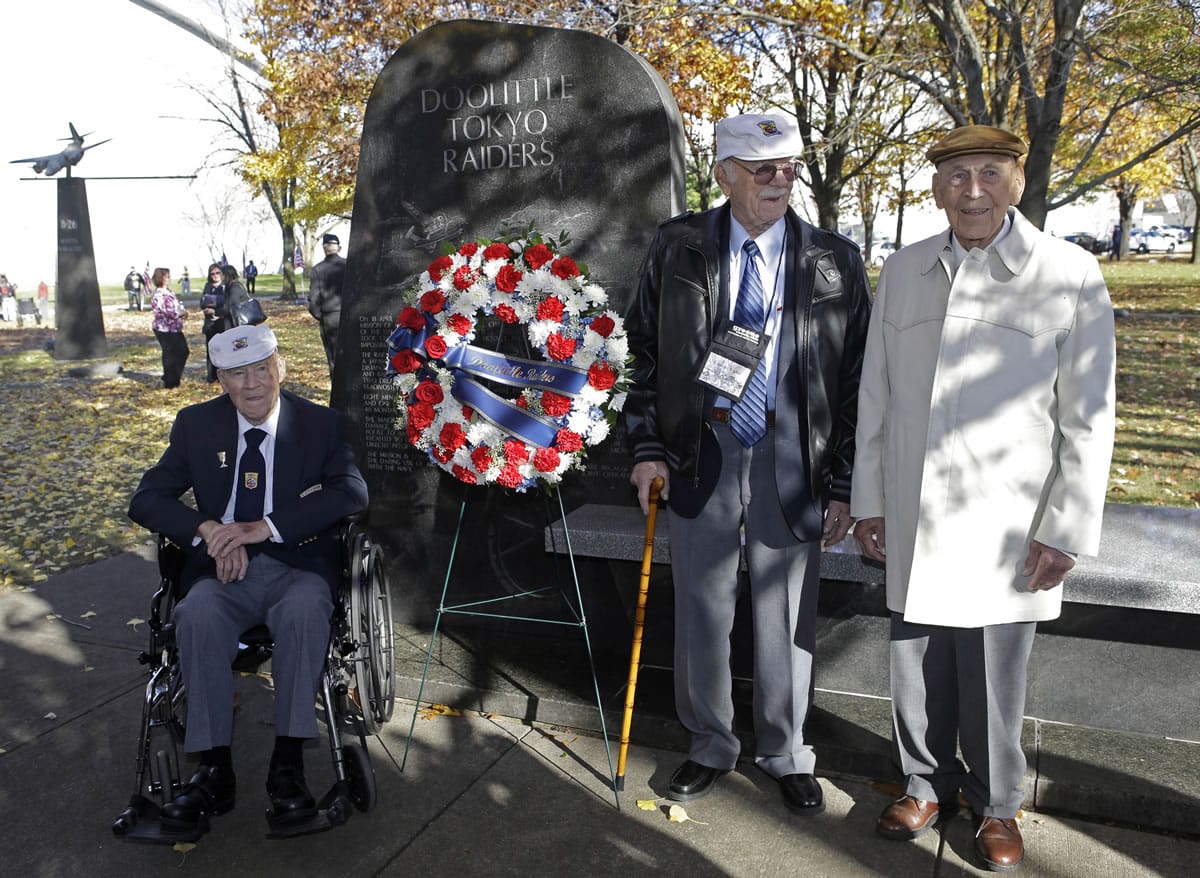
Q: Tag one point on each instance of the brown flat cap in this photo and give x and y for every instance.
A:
(971, 139)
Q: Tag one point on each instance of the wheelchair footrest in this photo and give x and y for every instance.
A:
(333, 810)
(142, 822)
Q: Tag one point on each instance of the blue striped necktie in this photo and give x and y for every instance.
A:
(748, 418)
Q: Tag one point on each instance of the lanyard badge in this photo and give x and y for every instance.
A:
(732, 356)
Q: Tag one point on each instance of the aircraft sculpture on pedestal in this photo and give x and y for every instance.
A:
(67, 158)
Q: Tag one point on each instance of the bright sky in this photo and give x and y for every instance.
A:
(119, 71)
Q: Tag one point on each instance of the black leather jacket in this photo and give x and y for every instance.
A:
(683, 290)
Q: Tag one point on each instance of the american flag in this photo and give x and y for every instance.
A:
(298, 260)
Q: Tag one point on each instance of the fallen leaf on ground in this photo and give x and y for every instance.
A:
(677, 814)
(648, 804)
(87, 615)
(135, 622)
(436, 710)
(51, 715)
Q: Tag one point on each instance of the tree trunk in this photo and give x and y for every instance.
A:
(289, 266)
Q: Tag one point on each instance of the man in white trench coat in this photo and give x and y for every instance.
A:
(985, 432)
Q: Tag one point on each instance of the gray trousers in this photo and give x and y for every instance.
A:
(784, 580)
(295, 605)
(964, 686)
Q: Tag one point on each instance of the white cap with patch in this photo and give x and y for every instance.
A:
(241, 346)
(754, 136)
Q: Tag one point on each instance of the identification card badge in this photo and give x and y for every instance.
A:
(731, 358)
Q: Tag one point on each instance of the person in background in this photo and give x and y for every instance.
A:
(212, 303)
(986, 416)
(325, 295)
(8, 299)
(235, 294)
(251, 274)
(185, 284)
(168, 316)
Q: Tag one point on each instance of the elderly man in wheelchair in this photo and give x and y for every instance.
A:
(272, 480)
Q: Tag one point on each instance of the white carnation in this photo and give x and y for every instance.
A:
(598, 433)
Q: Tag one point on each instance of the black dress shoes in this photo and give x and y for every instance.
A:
(802, 794)
(692, 781)
(210, 791)
(290, 798)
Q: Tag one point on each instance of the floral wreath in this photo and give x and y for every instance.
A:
(565, 402)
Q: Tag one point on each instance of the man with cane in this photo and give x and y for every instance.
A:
(747, 332)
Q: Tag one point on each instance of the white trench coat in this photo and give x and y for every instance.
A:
(986, 420)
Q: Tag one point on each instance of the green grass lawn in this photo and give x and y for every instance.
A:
(74, 448)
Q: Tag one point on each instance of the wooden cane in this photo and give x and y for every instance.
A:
(639, 624)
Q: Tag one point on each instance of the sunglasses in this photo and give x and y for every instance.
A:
(764, 174)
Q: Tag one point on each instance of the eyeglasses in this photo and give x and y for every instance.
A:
(764, 174)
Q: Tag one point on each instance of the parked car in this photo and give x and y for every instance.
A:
(1088, 242)
(1182, 234)
(1151, 241)
(881, 251)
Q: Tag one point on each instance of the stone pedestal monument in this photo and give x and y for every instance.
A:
(80, 334)
(475, 128)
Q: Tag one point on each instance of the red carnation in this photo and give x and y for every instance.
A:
(602, 325)
(560, 348)
(433, 301)
(438, 267)
(545, 460)
(435, 346)
(481, 458)
(420, 415)
(550, 308)
(567, 440)
(460, 323)
(411, 318)
(554, 404)
(463, 277)
(413, 433)
(506, 313)
(464, 475)
(497, 250)
(538, 255)
(405, 361)
(564, 267)
(428, 391)
(509, 477)
(440, 454)
(468, 412)
(507, 279)
(602, 376)
(515, 452)
(452, 436)
(468, 249)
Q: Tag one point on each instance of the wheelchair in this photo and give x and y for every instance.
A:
(357, 694)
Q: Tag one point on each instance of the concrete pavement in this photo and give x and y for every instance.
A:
(480, 794)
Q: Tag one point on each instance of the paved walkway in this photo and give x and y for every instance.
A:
(480, 795)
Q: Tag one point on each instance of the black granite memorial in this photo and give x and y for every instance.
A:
(474, 128)
(80, 334)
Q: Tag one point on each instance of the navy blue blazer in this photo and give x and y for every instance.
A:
(316, 484)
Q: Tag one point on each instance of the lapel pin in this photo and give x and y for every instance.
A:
(221, 460)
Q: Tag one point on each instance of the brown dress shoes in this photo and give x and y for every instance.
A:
(906, 818)
(998, 843)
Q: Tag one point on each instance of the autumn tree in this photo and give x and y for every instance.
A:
(1189, 178)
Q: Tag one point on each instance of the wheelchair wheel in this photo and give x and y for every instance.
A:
(363, 791)
(371, 627)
